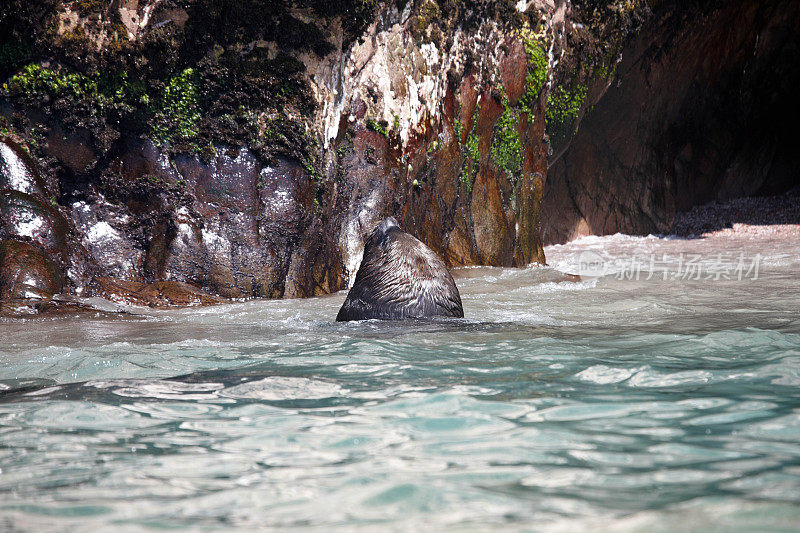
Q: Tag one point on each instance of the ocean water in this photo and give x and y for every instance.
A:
(659, 393)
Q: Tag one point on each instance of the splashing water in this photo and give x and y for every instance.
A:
(640, 400)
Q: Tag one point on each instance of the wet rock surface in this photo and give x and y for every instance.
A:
(704, 108)
(33, 235)
(26, 272)
(18, 170)
(240, 233)
(47, 250)
(156, 294)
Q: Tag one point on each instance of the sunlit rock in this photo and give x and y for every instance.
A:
(17, 171)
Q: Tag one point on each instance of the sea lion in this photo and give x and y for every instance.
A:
(400, 277)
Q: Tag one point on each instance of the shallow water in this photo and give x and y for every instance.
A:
(615, 403)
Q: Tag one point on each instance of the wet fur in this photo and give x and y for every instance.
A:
(400, 277)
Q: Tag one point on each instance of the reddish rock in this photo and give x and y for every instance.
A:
(703, 107)
(156, 294)
(493, 234)
(26, 272)
(470, 212)
(529, 194)
(71, 149)
(513, 68)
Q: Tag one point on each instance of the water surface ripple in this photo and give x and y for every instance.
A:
(608, 404)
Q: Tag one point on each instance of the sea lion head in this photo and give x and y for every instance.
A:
(400, 277)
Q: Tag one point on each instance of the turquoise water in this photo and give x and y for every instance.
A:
(608, 404)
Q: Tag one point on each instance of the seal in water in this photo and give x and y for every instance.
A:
(400, 277)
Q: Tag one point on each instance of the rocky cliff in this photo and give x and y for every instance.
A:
(156, 151)
(173, 152)
(703, 107)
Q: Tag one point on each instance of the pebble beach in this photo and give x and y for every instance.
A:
(766, 216)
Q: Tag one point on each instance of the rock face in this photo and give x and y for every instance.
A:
(244, 149)
(229, 225)
(703, 108)
(33, 238)
(46, 249)
(445, 183)
(258, 170)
